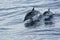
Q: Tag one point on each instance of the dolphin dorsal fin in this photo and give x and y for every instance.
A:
(33, 9)
(49, 10)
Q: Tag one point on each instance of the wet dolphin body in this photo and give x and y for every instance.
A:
(46, 12)
(48, 17)
(31, 14)
(49, 14)
(31, 18)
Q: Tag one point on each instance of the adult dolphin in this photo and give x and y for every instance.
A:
(31, 14)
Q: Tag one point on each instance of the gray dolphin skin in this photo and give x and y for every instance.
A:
(34, 12)
(31, 14)
(46, 12)
(47, 15)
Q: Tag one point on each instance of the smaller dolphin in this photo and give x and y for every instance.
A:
(47, 12)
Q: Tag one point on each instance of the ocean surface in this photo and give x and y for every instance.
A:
(12, 13)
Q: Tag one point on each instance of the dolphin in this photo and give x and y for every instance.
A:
(31, 14)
